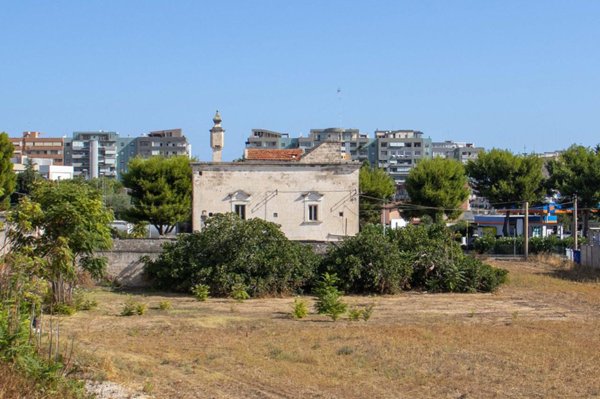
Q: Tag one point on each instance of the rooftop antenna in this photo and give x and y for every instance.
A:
(339, 96)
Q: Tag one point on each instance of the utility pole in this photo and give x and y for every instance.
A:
(575, 221)
(526, 231)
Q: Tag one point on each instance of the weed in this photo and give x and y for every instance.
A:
(131, 307)
(345, 350)
(63, 308)
(368, 311)
(148, 387)
(355, 314)
(239, 293)
(81, 301)
(164, 305)
(300, 310)
(201, 292)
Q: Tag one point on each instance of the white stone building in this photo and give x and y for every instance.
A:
(313, 197)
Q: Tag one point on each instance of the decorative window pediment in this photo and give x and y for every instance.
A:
(312, 196)
(239, 196)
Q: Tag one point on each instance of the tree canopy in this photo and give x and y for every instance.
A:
(376, 186)
(507, 179)
(64, 224)
(577, 172)
(114, 195)
(7, 176)
(440, 185)
(161, 191)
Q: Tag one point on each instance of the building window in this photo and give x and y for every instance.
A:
(311, 207)
(313, 213)
(240, 210)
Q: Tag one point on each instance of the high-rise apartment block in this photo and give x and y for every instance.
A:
(92, 154)
(398, 151)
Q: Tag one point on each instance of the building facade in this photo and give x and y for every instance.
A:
(310, 200)
(92, 154)
(461, 151)
(313, 197)
(166, 143)
(32, 146)
(398, 151)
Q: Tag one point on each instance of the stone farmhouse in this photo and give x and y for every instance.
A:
(312, 195)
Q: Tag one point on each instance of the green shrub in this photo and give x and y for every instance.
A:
(300, 308)
(165, 305)
(201, 292)
(368, 263)
(82, 301)
(131, 307)
(63, 308)
(368, 312)
(355, 314)
(230, 250)
(329, 300)
(239, 293)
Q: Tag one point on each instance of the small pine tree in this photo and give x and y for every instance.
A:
(329, 300)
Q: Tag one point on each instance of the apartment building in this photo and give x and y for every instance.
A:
(92, 154)
(353, 144)
(461, 151)
(166, 143)
(263, 138)
(47, 150)
(398, 151)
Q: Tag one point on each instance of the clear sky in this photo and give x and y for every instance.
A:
(508, 74)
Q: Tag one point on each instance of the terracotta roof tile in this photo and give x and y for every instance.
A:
(259, 154)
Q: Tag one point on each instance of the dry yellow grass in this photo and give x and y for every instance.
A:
(537, 337)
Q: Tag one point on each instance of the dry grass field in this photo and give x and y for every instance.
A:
(538, 337)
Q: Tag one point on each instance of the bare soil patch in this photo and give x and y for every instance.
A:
(538, 336)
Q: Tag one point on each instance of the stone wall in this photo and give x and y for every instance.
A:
(124, 265)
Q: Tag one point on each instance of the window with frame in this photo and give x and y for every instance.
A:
(240, 210)
(313, 213)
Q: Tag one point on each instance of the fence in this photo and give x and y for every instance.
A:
(590, 255)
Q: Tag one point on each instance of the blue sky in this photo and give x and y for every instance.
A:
(508, 74)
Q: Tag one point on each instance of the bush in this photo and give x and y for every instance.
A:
(201, 292)
(329, 300)
(64, 309)
(439, 264)
(230, 250)
(131, 307)
(81, 301)
(368, 263)
(239, 293)
(300, 309)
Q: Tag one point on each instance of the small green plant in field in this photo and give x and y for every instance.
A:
(82, 301)
(239, 293)
(63, 308)
(329, 300)
(201, 292)
(148, 387)
(132, 308)
(164, 305)
(355, 314)
(140, 308)
(300, 309)
(368, 311)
